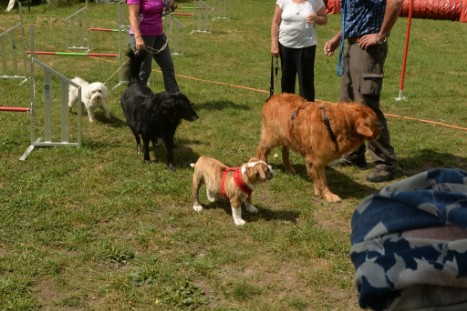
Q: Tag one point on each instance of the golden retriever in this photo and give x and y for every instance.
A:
(321, 132)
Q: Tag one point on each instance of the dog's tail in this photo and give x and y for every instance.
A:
(135, 59)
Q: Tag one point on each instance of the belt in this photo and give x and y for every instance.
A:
(353, 40)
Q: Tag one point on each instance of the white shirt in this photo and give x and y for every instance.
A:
(294, 31)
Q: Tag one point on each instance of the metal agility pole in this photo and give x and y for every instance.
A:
(13, 59)
(73, 54)
(14, 109)
(106, 29)
(406, 48)
(173, 27)
(47, 125)
(221, 10)
(202, 16)
(122, 34)
(78, 26)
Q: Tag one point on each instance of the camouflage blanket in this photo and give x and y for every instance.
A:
(409, 244)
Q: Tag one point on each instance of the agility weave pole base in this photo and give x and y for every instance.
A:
(47, 126)
(77, 33)
(122, 37)
(202, 17)
(51, 127)
(173, 27)
(13, 60)
(221, 10)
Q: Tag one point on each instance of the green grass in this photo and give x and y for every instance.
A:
(94, 228)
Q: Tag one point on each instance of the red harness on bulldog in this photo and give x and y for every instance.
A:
(237, 176)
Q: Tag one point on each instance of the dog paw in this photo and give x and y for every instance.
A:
(239, 222)
(252, 209)
(171, 167)
(331, 197)
(198, 208)
(211, 197)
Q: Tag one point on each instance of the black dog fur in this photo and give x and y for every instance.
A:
(151, 116)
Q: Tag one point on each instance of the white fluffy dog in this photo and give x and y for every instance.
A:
(93, 95)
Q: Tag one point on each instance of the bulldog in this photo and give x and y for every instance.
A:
(232, 183)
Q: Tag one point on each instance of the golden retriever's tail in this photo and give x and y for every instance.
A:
(133, 67)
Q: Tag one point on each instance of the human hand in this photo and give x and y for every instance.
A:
(310, 19)
(275, 52)
(329, 47)
(139, 43)
(368, 40)
(171, 4)
(275, 49)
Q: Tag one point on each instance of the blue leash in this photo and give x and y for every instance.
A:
(340, 66)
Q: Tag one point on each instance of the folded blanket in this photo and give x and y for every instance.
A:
(411, 237)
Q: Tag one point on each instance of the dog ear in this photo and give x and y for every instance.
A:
(363, 127)
(105, 90)
(364, 130)
(86, 92)
(168, 107)
(260, 171)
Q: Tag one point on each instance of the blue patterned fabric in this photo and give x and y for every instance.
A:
(388, 260)
(362, 17)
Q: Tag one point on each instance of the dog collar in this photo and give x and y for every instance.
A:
(328, 127)
(237, 176)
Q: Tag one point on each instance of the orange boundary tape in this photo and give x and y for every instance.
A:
(386, 114)
(267, 92)
(425, 121)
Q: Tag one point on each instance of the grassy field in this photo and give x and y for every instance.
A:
(94, 228)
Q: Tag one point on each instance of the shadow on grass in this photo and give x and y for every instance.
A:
(264, 213)
(183, 154)
(220, 105)
(100, 118)
(340, 183)
(113, 122)
(427, 159)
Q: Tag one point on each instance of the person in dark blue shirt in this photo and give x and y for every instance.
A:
(365, 28)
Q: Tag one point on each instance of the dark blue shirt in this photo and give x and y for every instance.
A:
(361, 17)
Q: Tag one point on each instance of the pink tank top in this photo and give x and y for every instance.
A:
(150, 16)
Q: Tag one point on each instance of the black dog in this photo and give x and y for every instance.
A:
(151, 116)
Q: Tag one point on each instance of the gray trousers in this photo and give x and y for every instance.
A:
(163, 58)
(362, 82)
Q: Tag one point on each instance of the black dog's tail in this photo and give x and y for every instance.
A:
(134, 64)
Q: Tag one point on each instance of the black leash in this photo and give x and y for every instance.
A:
(274, 72)
(325, 121)
(328, 127)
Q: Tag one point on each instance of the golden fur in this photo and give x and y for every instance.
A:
(209, 171)
(290, 121)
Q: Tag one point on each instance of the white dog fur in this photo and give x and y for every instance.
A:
(93, 95)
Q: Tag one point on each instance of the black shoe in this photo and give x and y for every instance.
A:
(381, 174)
(358, 162)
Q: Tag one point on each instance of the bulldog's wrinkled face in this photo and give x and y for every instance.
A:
(257, 171)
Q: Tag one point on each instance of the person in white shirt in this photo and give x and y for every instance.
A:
(294, 40)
